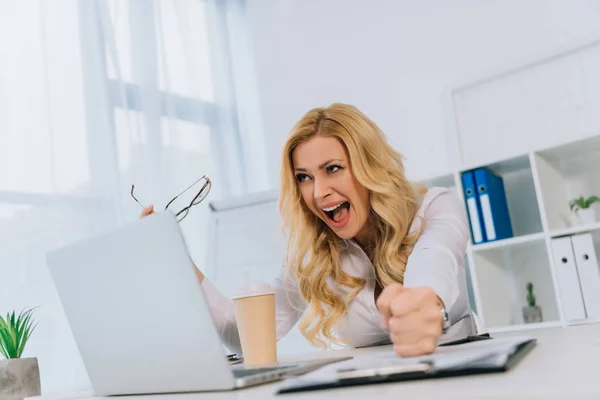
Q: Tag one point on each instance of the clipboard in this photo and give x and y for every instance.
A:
(468, 339)
(489, 361)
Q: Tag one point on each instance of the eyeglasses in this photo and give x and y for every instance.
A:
(201, 195)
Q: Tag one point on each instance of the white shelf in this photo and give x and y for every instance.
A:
(521, 196)
(503, 166)
(575, 230)
(584, 322)
(510, 242)
(445, 180)
(566, 172)
(526, 327)
(503, 273)
(575, 149)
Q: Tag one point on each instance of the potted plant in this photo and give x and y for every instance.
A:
(581, 207)
(19, 377)
(531, 313)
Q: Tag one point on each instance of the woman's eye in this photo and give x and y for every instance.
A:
(301, 177)
(332, 168)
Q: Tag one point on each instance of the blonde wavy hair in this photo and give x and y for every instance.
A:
(313, 250)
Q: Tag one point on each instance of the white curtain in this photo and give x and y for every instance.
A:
(97, 95)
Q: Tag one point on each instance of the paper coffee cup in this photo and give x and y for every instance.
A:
(255, 315)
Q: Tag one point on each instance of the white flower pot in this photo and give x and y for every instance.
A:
(19, 378)
(587, 216)
(532, 314)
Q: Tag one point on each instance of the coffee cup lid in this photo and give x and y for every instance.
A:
(254, 289)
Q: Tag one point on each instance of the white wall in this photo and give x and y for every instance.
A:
(394, 59)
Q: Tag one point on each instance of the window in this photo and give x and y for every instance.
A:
(97, 96)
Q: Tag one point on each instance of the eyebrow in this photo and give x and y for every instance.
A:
(322, 165)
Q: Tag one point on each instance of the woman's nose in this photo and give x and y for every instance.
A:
(322, 190)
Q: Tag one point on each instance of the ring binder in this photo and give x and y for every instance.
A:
(568, 279)
(494, 207)
(473, 207)
(589, 275)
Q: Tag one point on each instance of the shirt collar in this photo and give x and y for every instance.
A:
(350, 243)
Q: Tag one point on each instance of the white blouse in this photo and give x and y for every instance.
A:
(437, 261)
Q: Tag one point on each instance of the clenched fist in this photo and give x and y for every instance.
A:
(414, 317)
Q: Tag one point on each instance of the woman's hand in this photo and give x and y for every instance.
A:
(414, 317)
(147, 211)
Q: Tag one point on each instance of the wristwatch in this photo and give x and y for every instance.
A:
(445, 320)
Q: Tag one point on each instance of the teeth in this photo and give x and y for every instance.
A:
(332, 208)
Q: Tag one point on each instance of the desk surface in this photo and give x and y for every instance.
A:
(565, 364)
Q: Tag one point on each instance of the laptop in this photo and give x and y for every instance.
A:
(139, 316)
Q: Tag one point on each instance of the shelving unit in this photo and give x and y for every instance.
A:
(538, 186)
(507, 243)
(575, 230)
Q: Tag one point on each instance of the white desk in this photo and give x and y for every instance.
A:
(565, 364)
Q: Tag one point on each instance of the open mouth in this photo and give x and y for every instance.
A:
(339, 213)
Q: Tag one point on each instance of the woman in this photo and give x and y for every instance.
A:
(371, 257)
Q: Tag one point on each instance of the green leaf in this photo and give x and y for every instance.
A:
(591, 200)
(576, 204)
(12, 344)
(4, 337)
(17, 328)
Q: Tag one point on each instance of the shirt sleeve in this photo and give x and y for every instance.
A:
(440, 251)
(289, 307)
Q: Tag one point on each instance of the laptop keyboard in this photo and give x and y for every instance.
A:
(243, 373)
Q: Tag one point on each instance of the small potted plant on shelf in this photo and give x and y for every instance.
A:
(582, 208)
(19, 377)
(531, 313)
